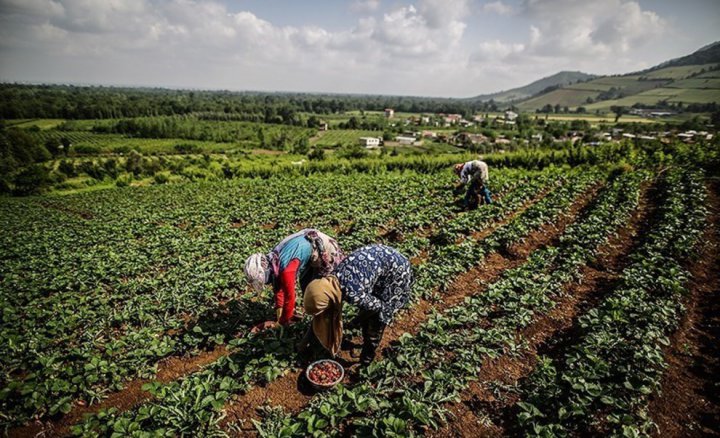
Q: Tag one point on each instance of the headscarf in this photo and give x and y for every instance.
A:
(257, 270)
(326, 253)
(323, 300)
(459, 167)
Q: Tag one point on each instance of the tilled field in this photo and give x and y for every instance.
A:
(579, 304)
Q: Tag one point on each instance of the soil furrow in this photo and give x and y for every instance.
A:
(689, 404)
(289, 392)
(132, 395)
(487, 407)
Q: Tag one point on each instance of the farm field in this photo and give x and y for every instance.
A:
(652, 97)
(125, 311)
(91, 143)
(342, 137)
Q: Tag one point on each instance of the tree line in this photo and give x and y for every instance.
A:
(19, 101)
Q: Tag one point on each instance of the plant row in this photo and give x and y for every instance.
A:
(407, 392)
(602, 383)
(255, 360)
(104, 285)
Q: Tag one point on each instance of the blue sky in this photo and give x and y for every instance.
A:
(454, 48)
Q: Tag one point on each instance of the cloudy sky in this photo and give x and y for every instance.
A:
(455, 48)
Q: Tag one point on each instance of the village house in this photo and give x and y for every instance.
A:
(464, 138)
(504, 122)
(370, 142)
(406, 139)
(510, 116)
(451, 119)
(389, 113)
(604, 136)
(647, 112)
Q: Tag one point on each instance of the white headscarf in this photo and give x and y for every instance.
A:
(257, 270)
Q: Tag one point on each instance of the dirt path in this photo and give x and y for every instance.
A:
(689, 405)
(486, 408)
(288, 391)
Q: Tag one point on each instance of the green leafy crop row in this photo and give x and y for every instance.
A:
(602, 383)
(406, 392)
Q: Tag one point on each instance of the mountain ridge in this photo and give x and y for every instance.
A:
(693, 79)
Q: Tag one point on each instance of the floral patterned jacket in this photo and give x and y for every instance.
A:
(376, 278)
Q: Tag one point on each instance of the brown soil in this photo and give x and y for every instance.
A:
(486, 409)
(132, 395)
(287, 391)
(689, 404)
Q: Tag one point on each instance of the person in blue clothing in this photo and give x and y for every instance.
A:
(301, 256)
(375, 278)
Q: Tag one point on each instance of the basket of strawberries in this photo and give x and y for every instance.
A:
(324, 374)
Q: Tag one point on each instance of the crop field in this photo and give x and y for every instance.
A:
(342, 137)
(563, 97)
(652, 97)
(680, 72)
(40, 123)
(553, 311)
(629, 85)
(697, 83)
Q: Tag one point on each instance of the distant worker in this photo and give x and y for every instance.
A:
(375, 278)
(305, 255)
(475, 174)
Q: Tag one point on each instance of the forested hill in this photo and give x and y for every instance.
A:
(705, 55)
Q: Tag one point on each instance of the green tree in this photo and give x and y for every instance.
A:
(618, 111)
(32, 180)
(317, 154)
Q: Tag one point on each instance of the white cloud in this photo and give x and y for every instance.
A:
(498, 7)
(631, 26)
(590, 29)
(417, 47)
(441, 13)
(496, 50)
(365, 5)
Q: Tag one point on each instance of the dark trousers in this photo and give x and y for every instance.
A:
(372, 333)
(474, 191)
(310, 349)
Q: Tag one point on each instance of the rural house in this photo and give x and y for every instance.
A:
(370, 142)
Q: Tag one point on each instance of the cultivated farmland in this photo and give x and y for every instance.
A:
(550, 312)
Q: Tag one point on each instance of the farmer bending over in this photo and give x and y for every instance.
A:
(476, 174)
(304, 255)
(375, 278)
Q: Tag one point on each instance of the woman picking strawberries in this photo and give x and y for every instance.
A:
(304, 255)
(377, 279)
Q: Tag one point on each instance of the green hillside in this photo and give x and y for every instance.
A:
(557, 80)
(673, 82)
